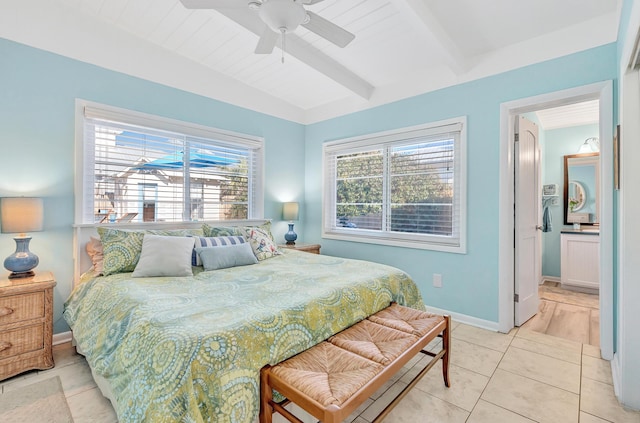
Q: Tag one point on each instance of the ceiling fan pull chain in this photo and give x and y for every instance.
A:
(284, 32)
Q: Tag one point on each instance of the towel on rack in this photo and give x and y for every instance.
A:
(546, 219)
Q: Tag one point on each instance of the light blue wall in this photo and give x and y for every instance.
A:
(37, 102)
(557, 144)
(470, 281)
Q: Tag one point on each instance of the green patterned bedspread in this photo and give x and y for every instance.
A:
(190, 349)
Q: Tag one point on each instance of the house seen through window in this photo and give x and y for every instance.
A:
(142, 174)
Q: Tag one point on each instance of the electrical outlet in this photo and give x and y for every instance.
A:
(437, 280)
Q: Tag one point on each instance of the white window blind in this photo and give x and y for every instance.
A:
(143, 168)
(405, 187)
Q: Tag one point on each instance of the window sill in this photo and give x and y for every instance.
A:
(420, 245)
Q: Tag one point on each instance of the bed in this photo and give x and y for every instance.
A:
(190, 348)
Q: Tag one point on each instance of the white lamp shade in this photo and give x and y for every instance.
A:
(21, 214)
(290, 211)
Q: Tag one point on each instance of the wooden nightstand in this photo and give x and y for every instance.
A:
(26, 324)
(308, 248)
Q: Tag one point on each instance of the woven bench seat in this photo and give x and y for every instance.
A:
(331, 379)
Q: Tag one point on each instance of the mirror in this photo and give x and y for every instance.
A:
(581, 188)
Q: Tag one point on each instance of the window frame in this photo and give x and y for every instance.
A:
(84, 157)
(398, 137)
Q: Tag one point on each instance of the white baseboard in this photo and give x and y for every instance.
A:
(463, 318)
(550, 279)
(61, 338)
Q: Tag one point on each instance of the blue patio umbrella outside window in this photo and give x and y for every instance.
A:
(196, 160)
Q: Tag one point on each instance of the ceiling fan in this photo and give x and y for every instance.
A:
(281, 17)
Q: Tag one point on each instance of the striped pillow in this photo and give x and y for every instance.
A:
(216, 241)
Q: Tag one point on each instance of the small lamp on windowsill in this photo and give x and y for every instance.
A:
(290, 213)
(21, 215)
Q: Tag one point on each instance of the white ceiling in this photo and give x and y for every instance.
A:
(402, 47)
(585, 113)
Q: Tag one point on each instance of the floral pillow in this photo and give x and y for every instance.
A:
(261, 243)
(121, 249)
(210, 231)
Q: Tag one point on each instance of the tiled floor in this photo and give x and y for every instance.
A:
(567, 314)
(524, 376)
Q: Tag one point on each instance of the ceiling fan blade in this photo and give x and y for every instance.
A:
(267, 41)
(330, 31)
(308, 2)
(213, 4)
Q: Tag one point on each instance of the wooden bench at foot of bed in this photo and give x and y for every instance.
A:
(331, 379)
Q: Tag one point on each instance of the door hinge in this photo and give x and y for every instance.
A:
(517, 137)
(516, 298)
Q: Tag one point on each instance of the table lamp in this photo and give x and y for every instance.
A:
(290, 213)
(21, 215)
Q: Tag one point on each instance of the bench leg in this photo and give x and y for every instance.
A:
(266, 395)
(446, 344)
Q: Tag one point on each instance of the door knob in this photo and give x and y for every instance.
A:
(538, 227)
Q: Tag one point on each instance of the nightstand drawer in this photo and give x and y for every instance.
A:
(16, 308)
(22, 340)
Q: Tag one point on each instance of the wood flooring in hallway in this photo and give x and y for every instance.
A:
(567, 314)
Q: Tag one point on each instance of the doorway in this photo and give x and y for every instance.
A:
(603, 92)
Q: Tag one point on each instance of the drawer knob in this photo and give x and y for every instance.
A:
(5, 311)
(5, 345)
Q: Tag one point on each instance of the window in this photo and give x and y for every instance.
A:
(404, 188)
(143, 168)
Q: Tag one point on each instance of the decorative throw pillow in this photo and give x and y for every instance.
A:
(164, 256)
(222, 257)
(121, 249)
(211, 231)
(213, 242)
(177, 232)
(234, 230)
(95, 251)
(261, 243)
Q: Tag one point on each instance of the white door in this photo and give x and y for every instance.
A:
(528, 204)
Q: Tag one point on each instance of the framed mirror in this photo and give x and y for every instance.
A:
(581, 188)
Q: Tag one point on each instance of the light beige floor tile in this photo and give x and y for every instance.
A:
(549, 339)
(588, 418)
(474, 357)
(554, 372)
(570, 322)
(572, 355)
(464, 393)
(597, 369)
(532, 399)
(485, 338)
(599, 400)
(420, 407)
(360, 420)
(412, 373)
(388, 384)
(385, 399)
(486, 412)
(91, 407)
(359, 410)
(591, 351)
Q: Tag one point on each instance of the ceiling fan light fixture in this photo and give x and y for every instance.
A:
(278, 14)
(254, 5)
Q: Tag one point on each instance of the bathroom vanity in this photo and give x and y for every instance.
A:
(580, 259)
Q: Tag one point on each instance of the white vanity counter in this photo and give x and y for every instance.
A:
(580, 258)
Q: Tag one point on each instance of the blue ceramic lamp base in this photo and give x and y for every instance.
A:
(291, 236)
(22, 261)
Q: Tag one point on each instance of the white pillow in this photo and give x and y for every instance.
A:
(165, 256)
(225, 256)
